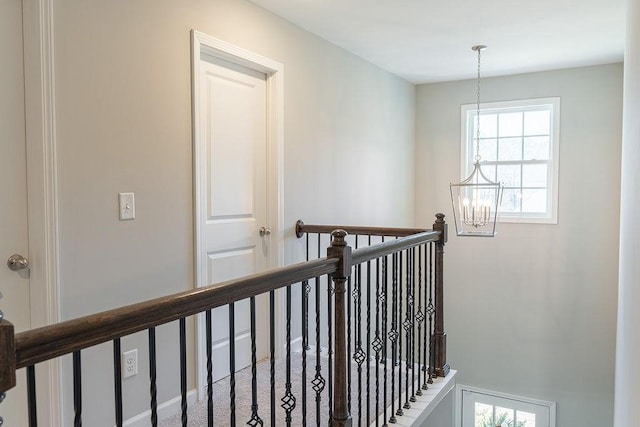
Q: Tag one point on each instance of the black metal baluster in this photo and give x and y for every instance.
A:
(376, 345)
(209, 340)
(318, 381)
(288, 400)
(427, 341)
(77, 389)
(232, 365)
(420, 318)
(393, 334)
(413, 325)
(368, 408)
(432, 311)
(330, 346)
(407, 328)
(306, 288)
(153, 388)
(359, 355)
(255, 418)
(31, 396)
(117, 377)
(385, 322)
(272, 355)
(183, 370)
(399, 325)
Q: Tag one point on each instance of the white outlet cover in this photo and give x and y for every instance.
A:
(127, 206)
(130, 363)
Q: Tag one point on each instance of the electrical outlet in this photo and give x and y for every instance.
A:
(130, 363)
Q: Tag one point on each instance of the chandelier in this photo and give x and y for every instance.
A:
(476, 200)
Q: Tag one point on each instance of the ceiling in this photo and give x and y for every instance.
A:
(427, 41)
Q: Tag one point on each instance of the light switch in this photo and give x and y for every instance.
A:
(127, 206)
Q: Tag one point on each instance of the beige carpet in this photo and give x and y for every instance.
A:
(197, 414)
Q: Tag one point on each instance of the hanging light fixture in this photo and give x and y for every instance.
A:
(476, 200)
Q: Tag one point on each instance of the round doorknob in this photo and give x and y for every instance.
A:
(265, 231)
(17, 262)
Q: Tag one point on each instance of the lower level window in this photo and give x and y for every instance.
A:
(484, 408)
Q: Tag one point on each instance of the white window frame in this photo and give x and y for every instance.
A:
(468, 114)
(465, 392)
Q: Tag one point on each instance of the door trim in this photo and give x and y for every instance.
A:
(274, 71)
(42, 190)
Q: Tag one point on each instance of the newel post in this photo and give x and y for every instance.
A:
(440, 366)
(7, 356)
(339, 249)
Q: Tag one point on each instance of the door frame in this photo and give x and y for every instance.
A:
(40, 140)
(274, 71)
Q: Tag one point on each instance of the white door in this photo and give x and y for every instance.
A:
(14, 285)
(233, 197)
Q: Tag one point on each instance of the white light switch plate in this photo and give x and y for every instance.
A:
(127, 206)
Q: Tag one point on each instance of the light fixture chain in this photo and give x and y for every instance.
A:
(477, 158)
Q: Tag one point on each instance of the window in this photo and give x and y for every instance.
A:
(518, 146)
(483, 408)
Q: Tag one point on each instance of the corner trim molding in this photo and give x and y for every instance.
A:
(42, 185)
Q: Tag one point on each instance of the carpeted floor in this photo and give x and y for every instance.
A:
(197, 414)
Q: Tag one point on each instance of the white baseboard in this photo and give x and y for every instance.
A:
(165, 410)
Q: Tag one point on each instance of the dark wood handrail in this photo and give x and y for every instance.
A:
(48, 342)
(368, 253)
(302, 228)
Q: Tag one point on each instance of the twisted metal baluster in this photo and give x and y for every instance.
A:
(359, 355)
(288, 400)
(375, 344)
(209, 344)
(420, 318)
(31, 396)
(77, 389)
(255, 418)
(408, 321)
(153, 388)
(427, 341)
(183, 370)
(413, 325)
(393, 334)
(385, 321)
(399, 324)
(368, 338)
(232, 365)
(330, 346)
(431, 310)
(305, 304)
(272, 356)
(318, 382)
(117, 377)
(306, 289)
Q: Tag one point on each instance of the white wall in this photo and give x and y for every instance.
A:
(533, 311)
(124, 124)
(627, 410)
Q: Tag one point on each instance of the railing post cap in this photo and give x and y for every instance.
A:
(440, 217)
(339, 237)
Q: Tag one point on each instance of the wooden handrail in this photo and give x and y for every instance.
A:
(48, 342)
(368, 253)
(302, 228)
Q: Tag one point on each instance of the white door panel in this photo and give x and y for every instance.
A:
(14, 286)
(233, 196)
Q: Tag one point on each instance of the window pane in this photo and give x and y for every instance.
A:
(534, 175)
(510, 200)
(510, 149)
(504, 417)
(488, 125)
(536, 148)
(509, 175)
(525, 419)
(534, 201)
(537, 122)
(488, 149)
(510, 124)
(483, 415)
(489, 171)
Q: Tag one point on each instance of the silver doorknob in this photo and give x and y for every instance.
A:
(17, 262)
(265, 231)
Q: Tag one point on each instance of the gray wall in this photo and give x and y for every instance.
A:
(533, 310)
(123, 104)
(442, 415)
